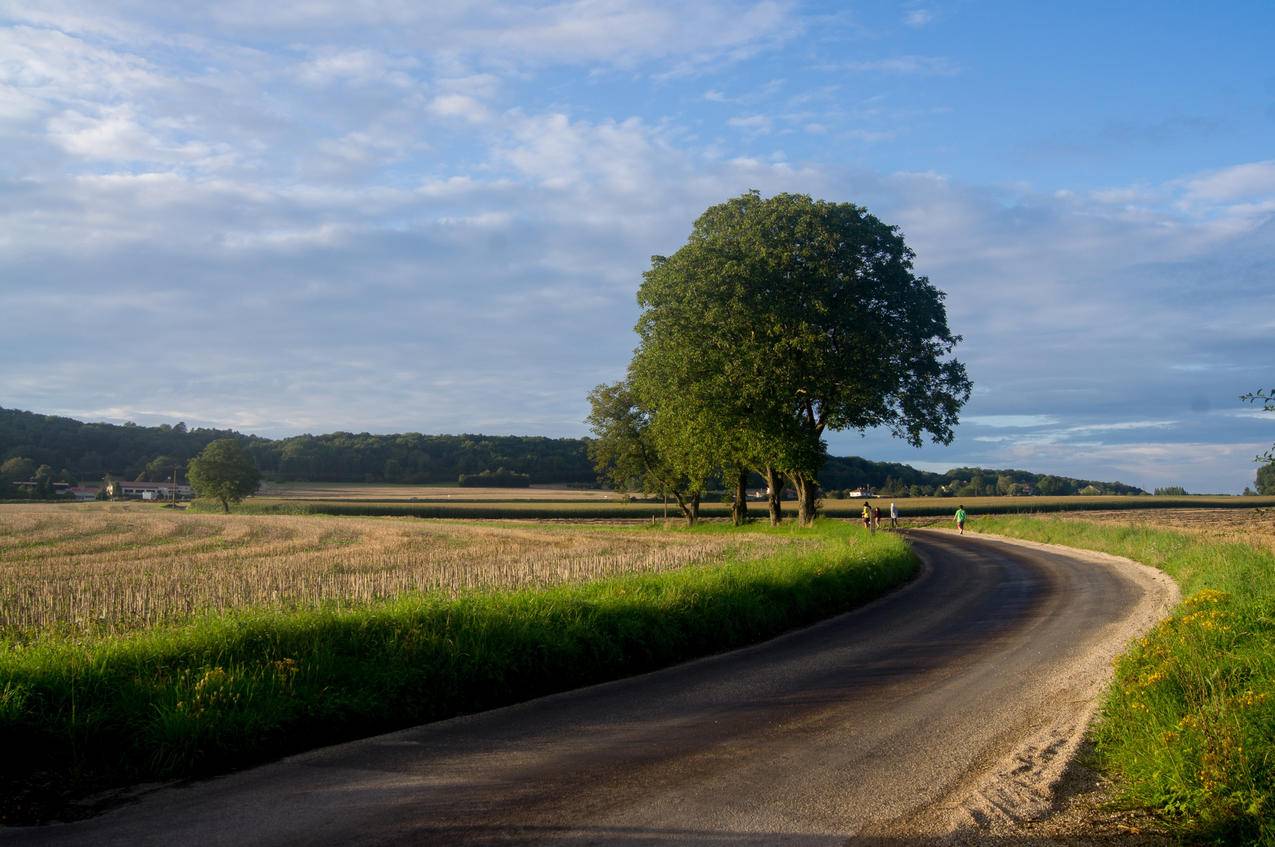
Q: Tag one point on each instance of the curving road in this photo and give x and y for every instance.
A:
(937, 705)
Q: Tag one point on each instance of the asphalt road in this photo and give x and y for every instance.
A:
(869, 723)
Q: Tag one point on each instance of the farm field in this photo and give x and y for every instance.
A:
(392, 492)
(466, 505)
(1249, 526)
(139, 643)
(121, 566)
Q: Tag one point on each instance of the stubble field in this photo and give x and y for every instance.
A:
(117, 567)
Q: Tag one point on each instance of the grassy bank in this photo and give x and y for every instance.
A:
(79, 713)
(1188, 726)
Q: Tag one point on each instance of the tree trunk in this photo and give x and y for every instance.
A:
(774, 486)
(807, 498)
(689, 507)
(739, 508)
(225, 505)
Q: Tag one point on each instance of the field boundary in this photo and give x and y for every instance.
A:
(645, 511)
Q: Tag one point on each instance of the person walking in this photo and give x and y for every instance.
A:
(894, 516)
(867, 517)
(960, 519)
(876, 517)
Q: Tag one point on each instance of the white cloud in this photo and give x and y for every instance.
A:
(907, 65)
(1240, 182)
(1011, 421)
(918, 18)
(459, 106)
(751, 123)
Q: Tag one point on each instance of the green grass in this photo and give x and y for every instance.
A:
(79, 714)
(1188, 726)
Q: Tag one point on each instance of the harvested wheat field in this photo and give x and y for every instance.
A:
(119, 567)
(1248, 526)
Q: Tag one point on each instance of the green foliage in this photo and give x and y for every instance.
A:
(780, 319)
(1188, 726)
(499, 478)
(1266, 479)
(1171, 491)
(92, 449)
(17, 469)
(227, 691)
(1266, 399)
(628, 452)
(224, 471)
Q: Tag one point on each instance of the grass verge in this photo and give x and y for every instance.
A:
(1188, 726)
(78, 715)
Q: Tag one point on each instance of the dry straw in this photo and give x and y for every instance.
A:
(116, 568)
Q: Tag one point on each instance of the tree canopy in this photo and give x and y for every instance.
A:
(781, 319)
(224, 471)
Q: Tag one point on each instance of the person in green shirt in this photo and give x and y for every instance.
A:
(960, 519)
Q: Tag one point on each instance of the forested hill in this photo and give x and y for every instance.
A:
(87, 451)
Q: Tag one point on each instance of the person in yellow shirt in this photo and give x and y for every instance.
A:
(867, 517)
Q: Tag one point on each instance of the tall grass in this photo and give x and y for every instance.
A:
(222, 691)
(1188, 726)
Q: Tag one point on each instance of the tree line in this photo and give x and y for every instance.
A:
(75, 450)
(47, 449)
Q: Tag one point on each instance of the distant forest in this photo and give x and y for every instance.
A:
(77, 451)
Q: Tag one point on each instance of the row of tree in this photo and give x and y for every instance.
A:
(91, 450)
(779, 320)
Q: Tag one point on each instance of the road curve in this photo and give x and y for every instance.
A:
(878, 723)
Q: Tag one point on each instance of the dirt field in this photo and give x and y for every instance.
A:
(120, 566)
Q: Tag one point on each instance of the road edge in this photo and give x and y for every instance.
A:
(1020, 791)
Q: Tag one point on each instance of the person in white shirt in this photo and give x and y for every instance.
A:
(894, 516)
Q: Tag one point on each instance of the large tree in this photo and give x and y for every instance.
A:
(224, 471)
(783, 318)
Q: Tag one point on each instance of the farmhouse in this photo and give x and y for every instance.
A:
(148, 490)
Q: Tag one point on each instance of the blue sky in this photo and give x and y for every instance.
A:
(393, 216)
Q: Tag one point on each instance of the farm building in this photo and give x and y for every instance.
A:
(148, 490)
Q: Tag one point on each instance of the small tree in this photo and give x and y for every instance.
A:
(224, 470)
(626, 452)
(1266, 479)
(17, 469)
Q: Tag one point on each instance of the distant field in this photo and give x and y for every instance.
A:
(1248, 526)
(387, 492)
(464, 504)
(121, 566)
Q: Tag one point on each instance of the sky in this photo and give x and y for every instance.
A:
(392, 216)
